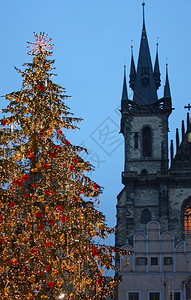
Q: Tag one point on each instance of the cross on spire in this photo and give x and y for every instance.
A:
(188, 107)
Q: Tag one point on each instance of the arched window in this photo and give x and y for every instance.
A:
(187, 217)
(146, 216)
(146, 141)
(136, 140)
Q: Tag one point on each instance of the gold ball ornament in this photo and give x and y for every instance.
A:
(47, 208)
(26, 111)
(59, 283)
(37, 70)
(6, 292)
(9, 97)
(35, 60)
(19, 156)
(100, 226)
(34, 170)
(93, 233)
(88, 281)
(81, 217)
(38, 165)
(46, 67)
(63, 239)
(29, 296)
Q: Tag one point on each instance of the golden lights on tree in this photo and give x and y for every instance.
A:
(48, 217)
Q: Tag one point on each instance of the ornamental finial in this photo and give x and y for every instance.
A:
(41, 43)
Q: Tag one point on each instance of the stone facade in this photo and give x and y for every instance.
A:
(165, 271)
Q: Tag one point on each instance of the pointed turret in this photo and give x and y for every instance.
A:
(183, 130)
(157, 70)
(132, 75)
(177, 140)
(171, 151)
(124, 91)
(167, 93)
(145, 86)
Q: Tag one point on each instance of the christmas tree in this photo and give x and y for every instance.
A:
(49, 222)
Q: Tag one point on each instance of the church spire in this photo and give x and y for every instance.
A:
(157, 70)
(132, 75)
(124, 91)
(145, 86)
(143, 4)
(167, 93)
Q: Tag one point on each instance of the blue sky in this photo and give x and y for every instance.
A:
(92, 39)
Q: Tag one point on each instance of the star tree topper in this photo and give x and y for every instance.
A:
(41, 43)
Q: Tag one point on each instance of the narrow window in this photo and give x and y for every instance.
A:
(154, 296)
(187, 218)
(141, 261)
(146, 142)
(133, 296)
(136, 140)
(154, 261)
(146, 216)
(167, 261)
(177, 296)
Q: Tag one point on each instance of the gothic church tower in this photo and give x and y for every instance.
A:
(155, 203)
(144, 125)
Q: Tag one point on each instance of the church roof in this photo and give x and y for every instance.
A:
(145, 89)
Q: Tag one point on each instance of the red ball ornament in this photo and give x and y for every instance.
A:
(46, 166)
(59, 207)
(99, 281)
(34, 251)
(64, 219)
(71, 168)
(95, 186)
(48, 244)
(40, 227)
(75, 160)
(12, 204)
(40, 87)
(51, 222)
(25, 177)
(4, 122)
(50, 284)
(66, 142)
(48, 268)
(53, 154)
(38, 214)
(95, 250)
(58, 147)
(41, 132)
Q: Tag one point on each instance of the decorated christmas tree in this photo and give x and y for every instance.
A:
(49, 222)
